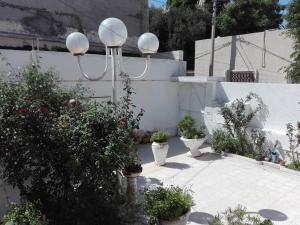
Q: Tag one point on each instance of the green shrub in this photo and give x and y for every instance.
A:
(187, 129)
(160, 137)
(222, 142)
(294, 165)
(25, 214)
(167, 203)
(238, 216)
(68, 146)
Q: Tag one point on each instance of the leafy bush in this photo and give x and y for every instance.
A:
(238, 216)
(24, 215)
(160, 137)
(187, 129)
(63, 150)
(258, 140)
(222, 142)
(167, 203)
(293, 144)
(237, 121)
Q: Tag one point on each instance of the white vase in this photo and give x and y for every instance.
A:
(193, 145)
(180, 221)
(160, 151)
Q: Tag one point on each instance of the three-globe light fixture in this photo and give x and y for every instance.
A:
(113, 34)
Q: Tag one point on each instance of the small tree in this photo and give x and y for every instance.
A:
(293, 30)
(237, 120)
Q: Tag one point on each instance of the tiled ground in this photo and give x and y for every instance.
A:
(222, 182)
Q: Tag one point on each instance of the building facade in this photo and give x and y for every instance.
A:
(22, 22)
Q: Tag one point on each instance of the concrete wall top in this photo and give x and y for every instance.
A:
(268, 52)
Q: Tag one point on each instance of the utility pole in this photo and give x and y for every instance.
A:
(213, 34)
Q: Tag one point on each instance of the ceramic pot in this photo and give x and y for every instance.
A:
(180, 221)
(193, 145)
(160, 152)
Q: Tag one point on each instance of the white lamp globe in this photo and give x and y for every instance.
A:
(77, 43)
(112, 32)
(148, 43)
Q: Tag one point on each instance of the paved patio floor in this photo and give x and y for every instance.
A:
(222, 182)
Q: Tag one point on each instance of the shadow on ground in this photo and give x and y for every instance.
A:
(273, 215)
(176, 165)
(209, 156)
(200, 217)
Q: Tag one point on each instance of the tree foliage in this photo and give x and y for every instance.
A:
(178, 28)
(293, 30)
(62, 150)
(184, 22)
(249, 16)
(180, 3)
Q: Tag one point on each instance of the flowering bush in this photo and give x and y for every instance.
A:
(62, 150)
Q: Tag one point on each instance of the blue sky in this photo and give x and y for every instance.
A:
(159, 3)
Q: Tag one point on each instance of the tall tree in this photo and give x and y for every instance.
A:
(293, 30)
(179, 28)
(179, 3)
(249, 16)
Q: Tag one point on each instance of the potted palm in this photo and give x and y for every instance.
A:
(160, 147)
(193, 138)
(168, 205)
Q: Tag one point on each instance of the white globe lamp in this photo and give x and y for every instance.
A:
(77, 43)
(113, 32)
(148, 43)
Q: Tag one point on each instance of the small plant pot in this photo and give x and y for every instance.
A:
(180, 221)
(160, 152)
(193, 145)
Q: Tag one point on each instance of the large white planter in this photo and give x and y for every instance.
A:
(160, 152)
(180, 221)
(193, 145)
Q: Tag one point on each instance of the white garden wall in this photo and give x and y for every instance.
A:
(203, 100)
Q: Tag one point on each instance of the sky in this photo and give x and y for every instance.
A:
(159, 3)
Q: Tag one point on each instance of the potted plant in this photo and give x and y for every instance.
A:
(168, 205)
(192, 137)
(160, 147)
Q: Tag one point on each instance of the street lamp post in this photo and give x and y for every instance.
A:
(113, 34)
(213, 34)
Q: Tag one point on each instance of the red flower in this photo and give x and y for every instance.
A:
(123, 121)
(23, 110)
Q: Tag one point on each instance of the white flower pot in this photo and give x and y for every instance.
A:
(160, 151)
(180, 221)
(193, 145)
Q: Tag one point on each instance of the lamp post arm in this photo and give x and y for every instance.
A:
(143, 74)
(86, 75)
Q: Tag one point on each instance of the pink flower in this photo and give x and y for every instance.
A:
(23, 110)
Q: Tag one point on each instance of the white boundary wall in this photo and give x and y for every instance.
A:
(268, 52)
(203, 101)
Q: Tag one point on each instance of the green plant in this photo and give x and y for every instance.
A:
(25, 214)
(167, 203)
(160, 137)
(237, 120)
(187, 129)
(223, 142)
(68, 146)
(238, 216)
(258, 139)
(293, 144)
